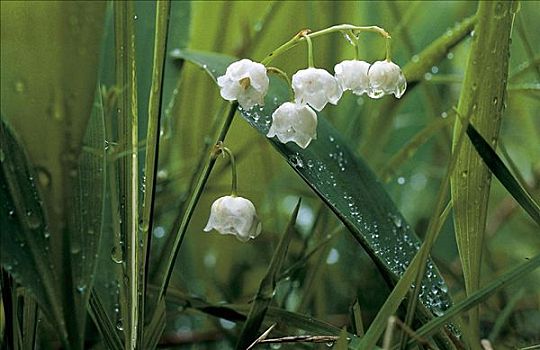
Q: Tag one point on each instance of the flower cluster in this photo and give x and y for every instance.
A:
(247, 82)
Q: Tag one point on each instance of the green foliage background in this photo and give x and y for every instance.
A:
(59, 97)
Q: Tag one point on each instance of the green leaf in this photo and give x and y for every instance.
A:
(56, 102)
(267, 286)
(482, 102)
(25, 248)
(103, 323)
(503, 174)
(345, 183)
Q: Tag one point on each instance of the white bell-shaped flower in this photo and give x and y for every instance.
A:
(353, 75)
(386, 77)
(245, 81)
(235, 216)
(294, 122)
(315, 87)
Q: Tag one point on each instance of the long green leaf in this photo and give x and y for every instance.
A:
(267, 287)
(24, 235)
(56, 102)
(345, 183)
(503, 174)
(481, 99)
(128, 169)
(152, 152)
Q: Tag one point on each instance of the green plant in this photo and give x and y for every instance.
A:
(110, 118)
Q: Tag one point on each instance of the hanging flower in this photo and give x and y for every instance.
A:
(385, 77)
(245, 81)
(353, 75)
(235, 216)
(315, 87)
(294, 122)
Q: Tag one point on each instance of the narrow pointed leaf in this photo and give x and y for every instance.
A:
(25, 237)
(503, 174)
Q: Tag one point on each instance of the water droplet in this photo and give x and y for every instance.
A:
(81, 287)
(401, 180)
(120, 325)
(117, 255)
(296, 161)
(19, 86)
(44, 177)
(434, 69)
(450, 55)
(33, 220)
(495, 100)
(135, 17)
(428, 76)
(464, 174)
(444, 115)
(415, 58)
(333, 257)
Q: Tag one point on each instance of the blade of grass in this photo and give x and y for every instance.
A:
(128, 185)
(503, 174)
(482, 98)
(152, 152)
(103, 323)
(267, 287)
(479, 296)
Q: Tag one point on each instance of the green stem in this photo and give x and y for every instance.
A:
(284, 76)
(304, 35)
(190, 209)
(152, 151)
(388, 49)
(310, 52)
(234, 183)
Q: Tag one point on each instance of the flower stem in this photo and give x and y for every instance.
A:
(223, 149)
(284, 75)
(388, 49)
(310, 51)
(303, 35)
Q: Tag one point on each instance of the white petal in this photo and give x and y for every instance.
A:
(234, 215)
(353, 75)
(315, 87)
(386, 78)
(293, 122)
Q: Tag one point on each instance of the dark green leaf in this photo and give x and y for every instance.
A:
(503, 174)
(25, 248)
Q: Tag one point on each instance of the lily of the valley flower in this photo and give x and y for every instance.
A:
(353, 75)
(236, 216)
(385, 77)
(315, 87)
(245, 81)
(294, 122)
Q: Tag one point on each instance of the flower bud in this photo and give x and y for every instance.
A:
(353, 75)
(294, 122)
(315, 87)
(386, 78)
(236, 216)
(245, 81)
